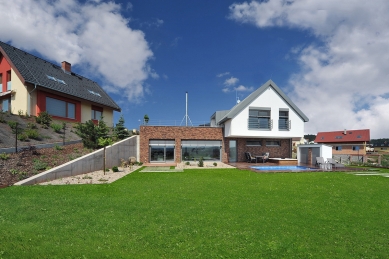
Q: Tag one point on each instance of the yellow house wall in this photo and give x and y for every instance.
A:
(86, 113)
(19, 100)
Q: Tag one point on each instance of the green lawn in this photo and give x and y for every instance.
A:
(223, 213)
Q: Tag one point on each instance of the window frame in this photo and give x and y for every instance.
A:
(95, 109)
(284, 118)
(273, 143)
(254, 121)
(338, 148)
(66, 108)
(254, 145)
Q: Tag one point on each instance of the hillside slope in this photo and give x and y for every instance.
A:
(7, 138)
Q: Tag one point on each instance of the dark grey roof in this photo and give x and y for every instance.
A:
(35, 70)
(249, 99)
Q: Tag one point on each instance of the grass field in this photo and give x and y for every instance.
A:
(224, 213)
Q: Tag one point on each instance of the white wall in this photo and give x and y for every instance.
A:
(271, 99)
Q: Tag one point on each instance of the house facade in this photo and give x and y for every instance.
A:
(30, 85)
(266, 121)
(345, 143)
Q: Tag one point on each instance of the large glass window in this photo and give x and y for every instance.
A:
(162, 150)
(60, 108)
(283, 120)
(208, 150)
(259, 119)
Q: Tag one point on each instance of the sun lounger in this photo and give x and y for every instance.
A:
(334, 163)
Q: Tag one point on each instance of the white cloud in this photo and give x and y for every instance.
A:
(243, 88)
(343, 81)
(223, 74)
(93, 35)
(226, 90)
(231, 81)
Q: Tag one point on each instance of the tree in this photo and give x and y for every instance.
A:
(146, 119)
(87, 132)
(103, 142)
(120, 131)
(102, 129)
(90, 133)
(16, 129)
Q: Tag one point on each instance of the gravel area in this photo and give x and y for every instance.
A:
(97, 177)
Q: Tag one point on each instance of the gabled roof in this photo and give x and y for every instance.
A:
(343, 136)
(249, 99)
(37, 71)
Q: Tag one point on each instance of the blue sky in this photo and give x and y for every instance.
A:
(329, 57)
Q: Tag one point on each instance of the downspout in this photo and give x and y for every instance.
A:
(29, 100)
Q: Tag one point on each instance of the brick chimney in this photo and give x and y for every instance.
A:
(66, 66)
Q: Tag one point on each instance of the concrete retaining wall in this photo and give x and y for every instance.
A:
(90, 162)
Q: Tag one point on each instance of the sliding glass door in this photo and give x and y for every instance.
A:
(162, 151)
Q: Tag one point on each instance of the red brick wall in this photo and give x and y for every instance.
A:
(283, 151)
(178, 133)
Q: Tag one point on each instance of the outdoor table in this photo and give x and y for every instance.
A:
(262, 157)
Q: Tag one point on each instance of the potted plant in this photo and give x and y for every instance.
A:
(146, 119)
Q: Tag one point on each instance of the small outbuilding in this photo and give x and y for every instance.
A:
(307, 153)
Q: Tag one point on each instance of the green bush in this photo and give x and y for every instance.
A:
(215, 164)
(22, 137)
(4, 156)
(56, 147)
(201, 162)
(56, 127)
(31, 125)
(115, 169)
(44, 119)
(39, 165)
(12, 124)
(32, 133)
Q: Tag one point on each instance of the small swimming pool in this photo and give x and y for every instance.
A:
(284, 168)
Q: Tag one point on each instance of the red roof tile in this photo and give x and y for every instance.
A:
(340, 136)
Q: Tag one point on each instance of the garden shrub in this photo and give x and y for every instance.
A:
(22, 137)
(4, 156)
(32, 133)
(57, 147)
(31, 125)
(115, 169)
(44, 119)
(39, 165)
(56, 127)
(201, 162)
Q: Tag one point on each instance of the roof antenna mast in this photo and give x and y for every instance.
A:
(186, 117)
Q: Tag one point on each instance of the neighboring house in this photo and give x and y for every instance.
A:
(266, 121)
(346, 142)
(379, 146)
(29, 84)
